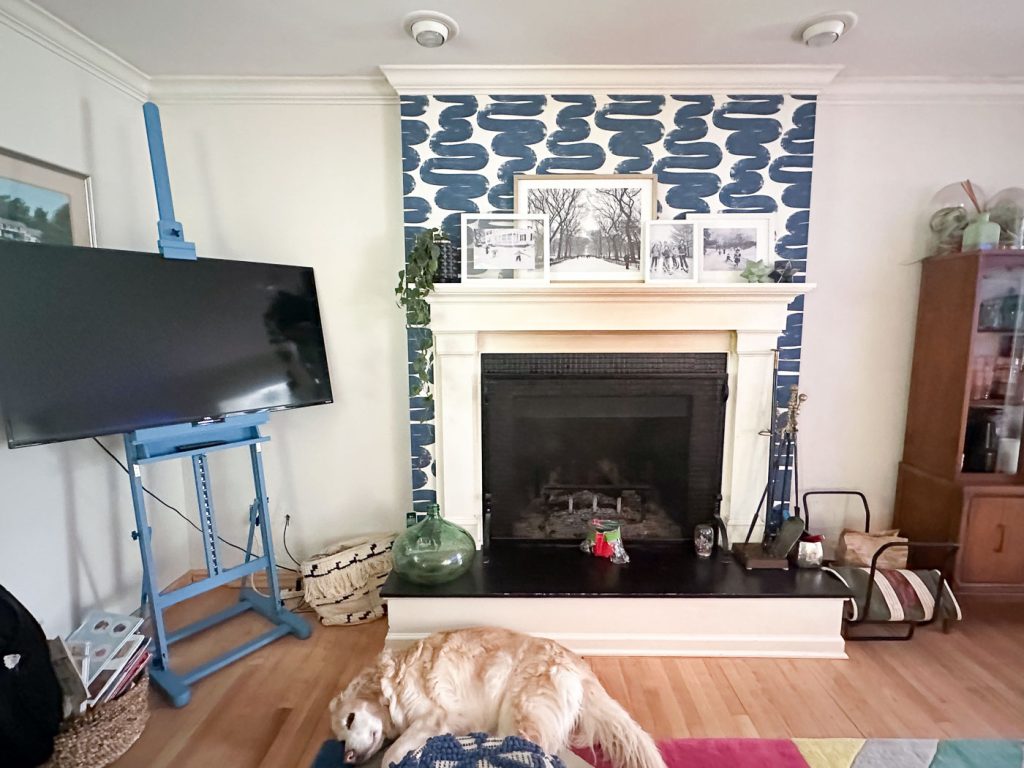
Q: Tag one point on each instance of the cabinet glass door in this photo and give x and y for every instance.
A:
(992, 432)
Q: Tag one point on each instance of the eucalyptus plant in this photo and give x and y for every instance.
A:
(415, 283)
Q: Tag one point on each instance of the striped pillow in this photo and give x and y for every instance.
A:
(898, 594)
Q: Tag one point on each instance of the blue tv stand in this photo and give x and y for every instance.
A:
(195, 441)
(147, 446)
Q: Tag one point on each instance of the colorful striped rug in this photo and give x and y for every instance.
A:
(799, 753)
(835, 753)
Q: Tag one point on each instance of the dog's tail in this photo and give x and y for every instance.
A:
(604, 722)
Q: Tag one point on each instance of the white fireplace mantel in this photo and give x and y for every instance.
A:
(743, 320)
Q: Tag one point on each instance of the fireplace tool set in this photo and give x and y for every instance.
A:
(781, 491)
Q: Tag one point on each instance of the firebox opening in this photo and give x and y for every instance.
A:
(570, 437)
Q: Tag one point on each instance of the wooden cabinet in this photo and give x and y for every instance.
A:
(993, 542)
(962, 475)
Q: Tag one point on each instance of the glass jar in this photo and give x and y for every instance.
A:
(704, 539)
(433, 551)
(952, 209)
(1006, 209)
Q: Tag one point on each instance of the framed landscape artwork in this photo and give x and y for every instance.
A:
(672, 253)
(41, 203)
(726, 242)
(596, 222)
(499, 247)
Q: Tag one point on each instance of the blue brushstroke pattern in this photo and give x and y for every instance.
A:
(794, 170)
(628, 117)
(691, 186)
(455, 156)
(414, 132)
(508, 116)
(567, 145)
(746, 117)
(421, 431)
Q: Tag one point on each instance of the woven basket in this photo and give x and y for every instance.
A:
(343, 583)
(104, 733)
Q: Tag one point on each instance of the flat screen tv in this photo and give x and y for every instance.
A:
(96, 341)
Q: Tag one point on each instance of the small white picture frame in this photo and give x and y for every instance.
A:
(671, 251)
(726, 241)
(501, 247)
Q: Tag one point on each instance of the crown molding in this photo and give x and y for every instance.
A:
(215, 89)
(45, 29)
(924, 90)
(670, 79)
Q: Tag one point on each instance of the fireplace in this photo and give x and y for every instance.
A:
(569, 437)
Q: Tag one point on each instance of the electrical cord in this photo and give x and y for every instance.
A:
(178, 512)
(284, 540)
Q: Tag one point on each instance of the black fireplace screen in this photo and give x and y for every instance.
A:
(569, 437)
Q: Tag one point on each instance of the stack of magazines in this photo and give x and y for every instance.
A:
(100, 660)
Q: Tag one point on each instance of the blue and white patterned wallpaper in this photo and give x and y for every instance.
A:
(711, 153)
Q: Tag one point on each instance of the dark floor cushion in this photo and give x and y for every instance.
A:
(898, 594)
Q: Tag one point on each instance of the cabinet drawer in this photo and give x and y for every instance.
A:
(993, 546)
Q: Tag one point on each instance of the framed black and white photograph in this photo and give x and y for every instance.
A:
(728, 241)
(498, 247)
(672, 252)
(43, 203)
(596, 222)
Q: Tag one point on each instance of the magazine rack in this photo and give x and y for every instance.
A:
(195, 441)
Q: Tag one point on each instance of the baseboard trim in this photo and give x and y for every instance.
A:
(285, 578)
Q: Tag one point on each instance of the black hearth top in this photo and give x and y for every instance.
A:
(664, 570)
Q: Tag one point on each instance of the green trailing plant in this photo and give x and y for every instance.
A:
(415, 283)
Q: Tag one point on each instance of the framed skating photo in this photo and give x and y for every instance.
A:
(596, 222)
(727, 241)
(499, 247)
(671, 251)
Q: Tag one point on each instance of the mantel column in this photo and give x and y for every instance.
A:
(746, 466)
(459, 449)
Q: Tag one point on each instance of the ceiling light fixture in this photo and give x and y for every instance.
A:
(430, 28)
(826, 30)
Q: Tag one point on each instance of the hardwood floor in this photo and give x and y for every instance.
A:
(270, 709)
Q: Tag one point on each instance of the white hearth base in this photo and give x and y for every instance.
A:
(799, 628)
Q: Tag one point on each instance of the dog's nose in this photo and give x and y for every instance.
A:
(350, 756)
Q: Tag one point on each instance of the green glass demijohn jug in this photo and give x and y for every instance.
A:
(433, 551)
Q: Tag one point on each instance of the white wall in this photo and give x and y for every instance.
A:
(876, 168)
(65, 510)
(316, 185)
(319, 185)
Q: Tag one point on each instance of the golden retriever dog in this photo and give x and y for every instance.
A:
(485, 680)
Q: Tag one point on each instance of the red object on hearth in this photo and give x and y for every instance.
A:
(601, 546)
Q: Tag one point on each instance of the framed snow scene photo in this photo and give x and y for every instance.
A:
(498, 247)
(596, 222)
(671, 251)
(727, 241)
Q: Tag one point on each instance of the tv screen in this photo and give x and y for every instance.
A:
(96, 341)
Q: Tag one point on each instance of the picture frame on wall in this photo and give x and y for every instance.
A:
(672, 253)
(726, 241)
(44, 203)
(596, 222)
(502, 247)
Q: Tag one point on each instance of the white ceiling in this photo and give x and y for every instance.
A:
(894, 38)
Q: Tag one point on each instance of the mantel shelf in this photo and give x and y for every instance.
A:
(615, 291)
(615, 307)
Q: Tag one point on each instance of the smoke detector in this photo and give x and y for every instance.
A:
(826, 30)
(430, 29)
